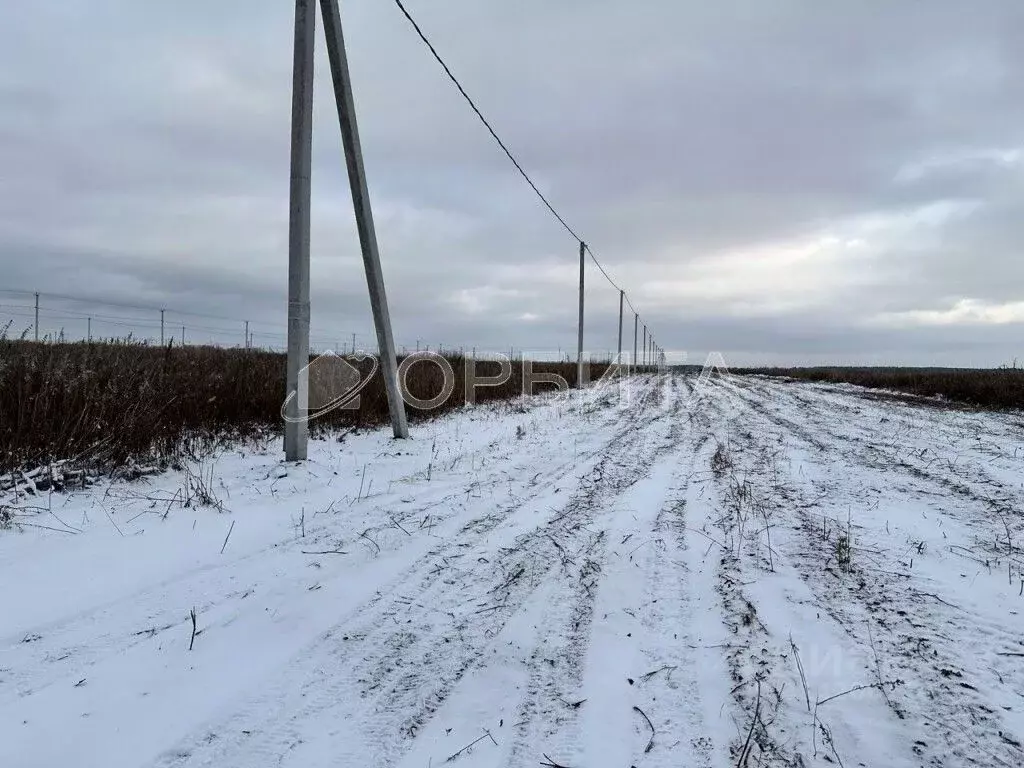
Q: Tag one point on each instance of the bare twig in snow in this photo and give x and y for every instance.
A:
(800, 668)
(547, 761)
(487, 734)
(880, 686)
(936, 597)
(650, 744)
(174, 498)
(364, 536)
(46, 527)
(111, 520)
(649, 675)
(878, 666)
(222, 546)
(745, 752)
(324, 552)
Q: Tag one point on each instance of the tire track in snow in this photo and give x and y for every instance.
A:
(938, 708)
(549, 717)
(110, 640)
(144, 616)
(403, 655)
(686, 677)
(649, 657)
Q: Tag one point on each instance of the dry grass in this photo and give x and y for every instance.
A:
(105, 404)
(1000, 388)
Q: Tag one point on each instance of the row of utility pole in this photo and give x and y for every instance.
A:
(296, 428)
(339, 347)
(163, 312)
(645, 357)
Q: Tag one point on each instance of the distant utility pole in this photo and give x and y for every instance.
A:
(622, 298)
(161, 327)
(644, 364)
(296, 430)
(636, 323)
(183, 335)
(36, 326)
(579, 338)
(88, 332)
(246, 334)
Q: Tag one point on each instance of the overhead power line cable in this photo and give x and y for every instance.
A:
(490, 129)
(598, 263)
(483, 119)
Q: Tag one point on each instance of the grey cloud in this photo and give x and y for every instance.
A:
(145, 155)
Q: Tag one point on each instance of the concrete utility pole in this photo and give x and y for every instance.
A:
(296, 430)
(579, 338)
(161, 327)
(636, 324)
(36, 325)
(88, 326)
(364, 213)
(246, 334)
(644, 364)
(622, 299)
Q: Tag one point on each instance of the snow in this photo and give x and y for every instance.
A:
(593, 579)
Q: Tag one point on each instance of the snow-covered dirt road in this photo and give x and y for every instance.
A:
(747, 572)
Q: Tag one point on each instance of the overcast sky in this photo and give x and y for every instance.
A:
(780, 181)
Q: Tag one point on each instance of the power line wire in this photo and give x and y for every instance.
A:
(119, 304)
(505, 149)
(598, 263)
(483, 119)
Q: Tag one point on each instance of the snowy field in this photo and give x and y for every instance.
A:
(753, 573)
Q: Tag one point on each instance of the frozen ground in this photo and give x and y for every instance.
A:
(756, 573)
